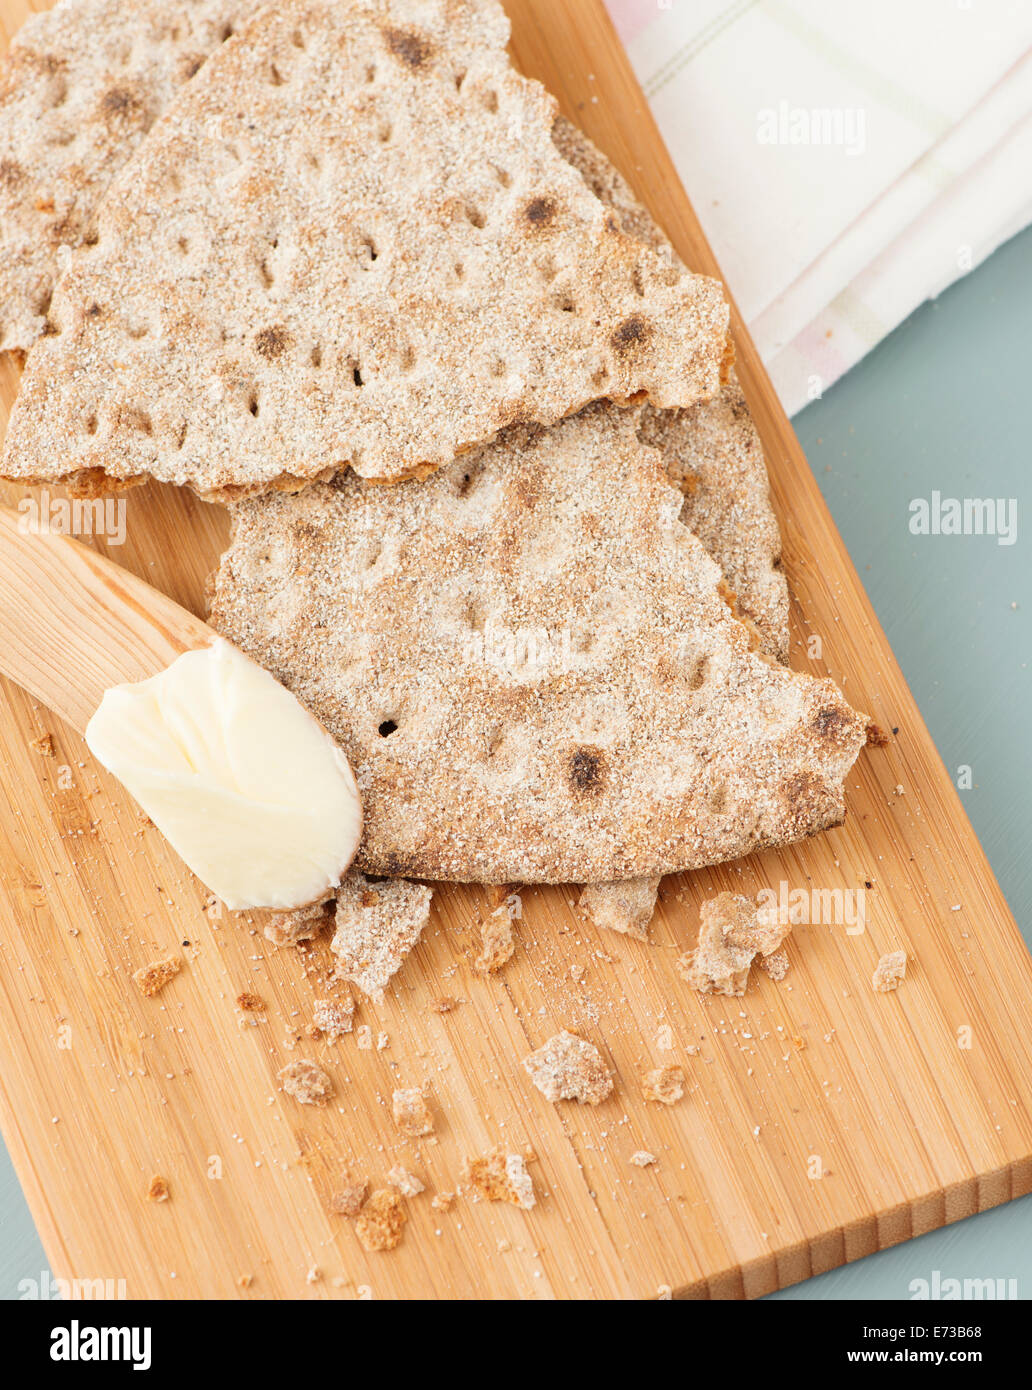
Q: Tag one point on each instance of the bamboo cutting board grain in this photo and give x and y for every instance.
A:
(823, 1121)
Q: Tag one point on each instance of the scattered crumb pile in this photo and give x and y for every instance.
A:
(732, 933)
(568, 1068)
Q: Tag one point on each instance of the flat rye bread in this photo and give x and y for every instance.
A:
(528, 660)
(712, 450)
(79, 88)
(350, 241)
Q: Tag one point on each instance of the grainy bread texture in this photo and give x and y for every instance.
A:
(712, 450)
(79, 88)
(351, 241)
(529, 664)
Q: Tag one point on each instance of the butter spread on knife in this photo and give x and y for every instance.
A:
(248, 788)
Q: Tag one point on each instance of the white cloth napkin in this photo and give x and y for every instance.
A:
(848, 159)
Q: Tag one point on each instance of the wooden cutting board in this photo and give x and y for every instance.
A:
(823, 1121)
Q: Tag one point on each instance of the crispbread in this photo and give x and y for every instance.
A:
(529, 663)
(79, 89)
(712, 450)
(350, 241)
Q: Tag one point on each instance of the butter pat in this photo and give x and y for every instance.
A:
(248, 788)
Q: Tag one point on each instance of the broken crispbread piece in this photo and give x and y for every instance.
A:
(711, 450)
(890, 971)
(497, 943)
(625, 907)
(307, 1083)
(567, 1067)
(381, 1222)
(502, 1177)
(350, 241)
(377, 924)
(411, 1113)
(334, 1017)
(530, 664)
(732, 932)
(301, 924)
(80, 87)
(663, 1084)
(153, 977)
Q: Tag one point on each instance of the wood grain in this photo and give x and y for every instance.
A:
(73, 624)
(100, 1088)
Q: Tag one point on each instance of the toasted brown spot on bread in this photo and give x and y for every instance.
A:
(11, 173)
(832, 722)
(121, 102)
(539, 212)
(629, 334)
(587, 772)
(270, 342)
(408, 46)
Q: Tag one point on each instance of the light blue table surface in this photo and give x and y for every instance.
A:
(942, 404)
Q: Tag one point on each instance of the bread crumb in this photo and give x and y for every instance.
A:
(44, 745)
(304, 923)
(890, 970)
(497, 943)
(158, 1191)
(307, 1083)
(663, 1084)
(334, 1017)
(244, 1281)
(314, 1275)
(411, 1112)
(444, 1005)
(799, 1043)
(349, 1199)
(379, 1224)
(155, 976)
(498, 894)
(732, 932)
(377, 924)
(502, 1177)
(626, 907)
(250, 1003)
(643, 1159)
(407, 1183)
(776, 965)
(876, 736)
(568, 1068)
(442, 1201)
